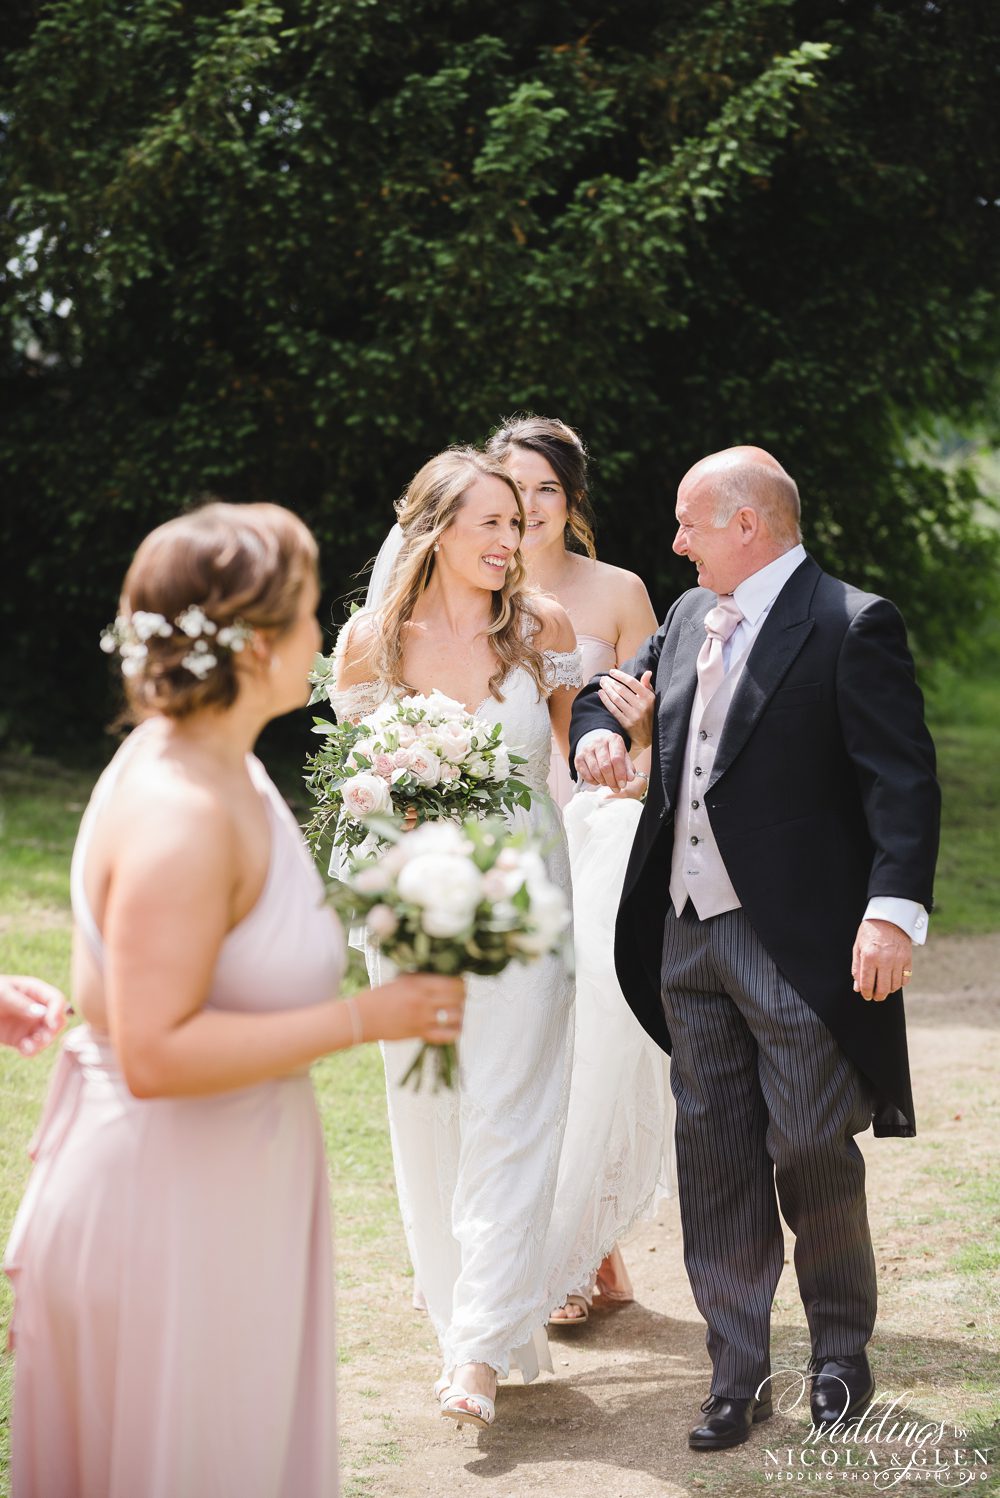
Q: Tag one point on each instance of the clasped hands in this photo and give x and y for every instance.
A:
(602, 758)
(882, 958)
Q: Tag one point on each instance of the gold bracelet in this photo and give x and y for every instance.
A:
(357, 1028)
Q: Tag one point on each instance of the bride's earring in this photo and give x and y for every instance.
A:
(437, 545)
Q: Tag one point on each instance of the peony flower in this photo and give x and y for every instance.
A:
(424, 766)
(365, 795)
(443, 884)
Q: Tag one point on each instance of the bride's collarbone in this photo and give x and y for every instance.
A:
(462, 672)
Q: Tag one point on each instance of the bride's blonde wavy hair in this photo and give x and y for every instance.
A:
(429, 506)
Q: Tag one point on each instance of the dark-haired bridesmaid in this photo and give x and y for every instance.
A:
(616, 1161)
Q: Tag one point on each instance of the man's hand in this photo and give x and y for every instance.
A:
(31, 1013)
(630, 701)
(602, 758)
(882, 960)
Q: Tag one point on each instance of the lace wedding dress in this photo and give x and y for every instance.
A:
(476, 1168)
(617, 1160)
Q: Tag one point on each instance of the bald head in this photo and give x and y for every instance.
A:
(750, 477)
(737, 511)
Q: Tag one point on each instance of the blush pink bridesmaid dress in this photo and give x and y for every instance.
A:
(172, 1257)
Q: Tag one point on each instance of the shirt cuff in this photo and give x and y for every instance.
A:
(908, 915)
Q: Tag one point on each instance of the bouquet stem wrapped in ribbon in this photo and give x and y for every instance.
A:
(456, 899)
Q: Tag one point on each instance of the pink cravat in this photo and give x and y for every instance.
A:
(720, 623)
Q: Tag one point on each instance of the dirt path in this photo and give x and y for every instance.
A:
(614, 1419)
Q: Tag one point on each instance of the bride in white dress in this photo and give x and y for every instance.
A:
(476, 1168)
(617, 1161)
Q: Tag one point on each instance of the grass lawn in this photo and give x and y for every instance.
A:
(40, 806)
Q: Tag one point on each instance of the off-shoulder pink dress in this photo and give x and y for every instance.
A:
(172, 1257)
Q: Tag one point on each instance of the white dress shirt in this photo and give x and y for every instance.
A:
(754, 598)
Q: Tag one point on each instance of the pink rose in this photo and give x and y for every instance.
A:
(381, 922)
(384, 765)
(364, 795)
(401, 759)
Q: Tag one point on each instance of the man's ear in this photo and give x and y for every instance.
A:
(749, 524)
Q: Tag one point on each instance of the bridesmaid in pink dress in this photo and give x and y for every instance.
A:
(611, 615)
(172, 1256)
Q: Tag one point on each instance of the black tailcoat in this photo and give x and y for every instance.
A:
(823, 795)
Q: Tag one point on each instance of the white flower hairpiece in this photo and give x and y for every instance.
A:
(129, 634)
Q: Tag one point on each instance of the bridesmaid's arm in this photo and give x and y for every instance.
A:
(168, 910)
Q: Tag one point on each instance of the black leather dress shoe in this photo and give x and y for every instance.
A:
(728, 1422)
(840, 1388)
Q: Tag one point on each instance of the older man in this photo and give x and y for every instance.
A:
(781, 871)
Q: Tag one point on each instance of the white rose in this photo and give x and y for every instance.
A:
(445, 923)
(435, 837)
(478, 766)
(365, 795)
(446, 886)
(455, 741)
(424, 766)
(501, 884)
(501, 763)
(381, 921)
(442, 706)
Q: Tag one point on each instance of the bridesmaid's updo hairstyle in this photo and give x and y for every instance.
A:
(239, 567)
(563, 450)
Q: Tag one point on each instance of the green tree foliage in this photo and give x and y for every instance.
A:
(289, 250)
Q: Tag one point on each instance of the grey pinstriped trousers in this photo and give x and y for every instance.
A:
(767, 1109)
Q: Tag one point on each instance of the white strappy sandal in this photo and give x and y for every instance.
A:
(451, 1397)
(583, 1306)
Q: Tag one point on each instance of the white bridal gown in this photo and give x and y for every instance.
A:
(476, 1168)
(617, 1160)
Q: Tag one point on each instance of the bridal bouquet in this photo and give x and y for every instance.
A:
(456, 899)
(427, 753)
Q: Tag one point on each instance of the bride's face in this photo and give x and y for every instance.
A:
(480, 543)
(545, 503)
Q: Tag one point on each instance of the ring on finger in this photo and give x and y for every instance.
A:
(442, 1016)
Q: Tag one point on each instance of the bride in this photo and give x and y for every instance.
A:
(476, 1169)
(617, 1157)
